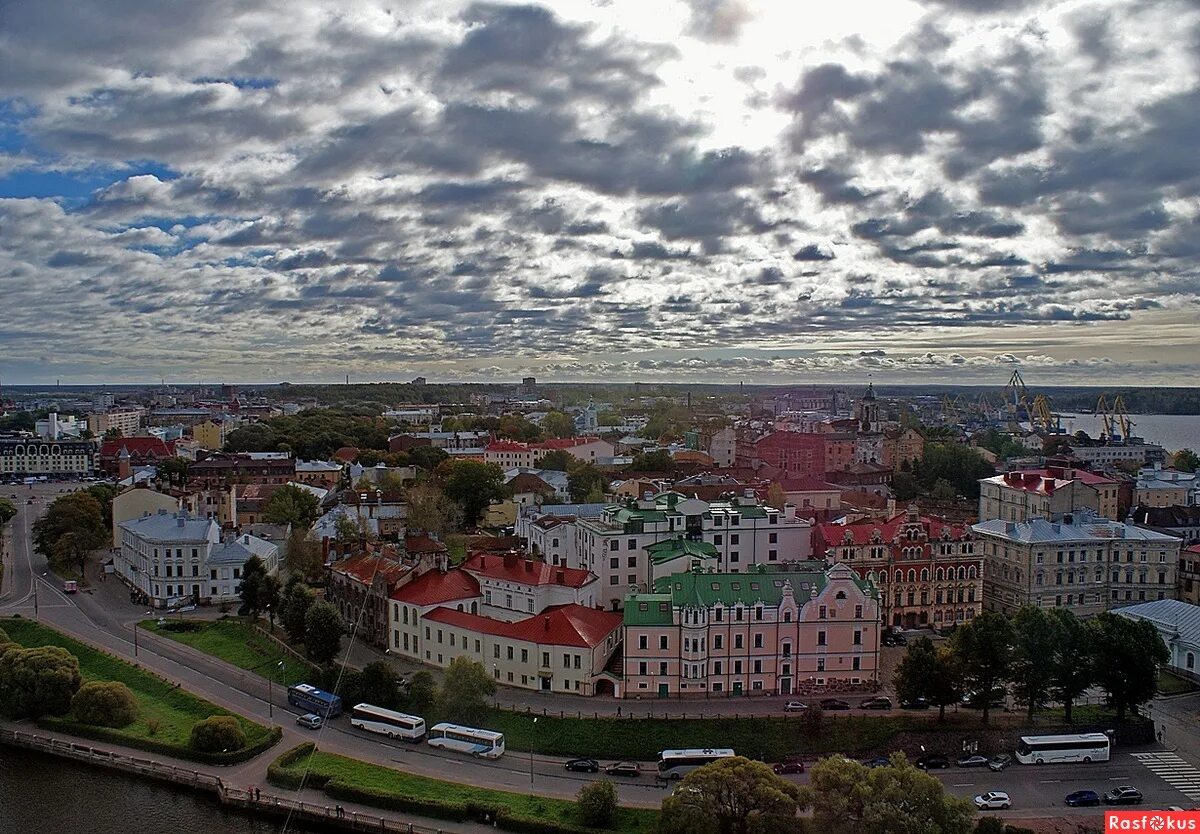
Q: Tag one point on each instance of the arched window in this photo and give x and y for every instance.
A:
(939, 574)
(1191, 660)
(971, 572)
(962, 573)
(912, 575)
(924, 574)
(899, 575)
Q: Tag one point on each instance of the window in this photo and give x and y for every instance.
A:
(821, 638)
(820, 664)
(857, 637)
(758, 667)
(737, 641)
(758, 641)
(718, 539)
(773, 538)
(734, 538)
(858, 612)
(718, 641)
(633, 561)
(641, 668)
(822, 612)
(524, 655)
(662, 669)
(643, 641)
(631, 545)
(495, 648)
(662, 641)
(737, 667)
(716, 669)
(758, 613)
(854, 662)
(614, 562)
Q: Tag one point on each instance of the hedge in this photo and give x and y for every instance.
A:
(65, 725)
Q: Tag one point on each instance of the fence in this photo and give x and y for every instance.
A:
(305, 814)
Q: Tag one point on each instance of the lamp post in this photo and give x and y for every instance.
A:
(270, 691)
(531, 755)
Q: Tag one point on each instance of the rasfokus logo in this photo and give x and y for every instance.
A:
(1151, 821)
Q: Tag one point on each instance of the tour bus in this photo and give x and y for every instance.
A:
(486, 744)
(311, 699)
(1086, 747)
(675, 764)
(386, 722)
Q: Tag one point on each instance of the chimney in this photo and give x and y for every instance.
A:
(560, 576)
(546, 622)
(510, 560)
(482, 561)
(789, 512)
(529, 566)
(1049, 486)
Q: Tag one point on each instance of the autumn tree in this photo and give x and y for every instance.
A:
(733, 795)
(431, 510)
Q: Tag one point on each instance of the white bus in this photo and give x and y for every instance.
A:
(386, 722)
(486, 744)
(675, 764)
(1087, 747)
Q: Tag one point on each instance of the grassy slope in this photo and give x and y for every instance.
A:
(175, 710)
(396, 783)
(239, 644)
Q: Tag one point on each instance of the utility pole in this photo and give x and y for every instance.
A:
(531, 755)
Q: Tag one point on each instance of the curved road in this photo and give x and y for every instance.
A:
(93, 618)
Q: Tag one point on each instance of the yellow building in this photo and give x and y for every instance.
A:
(211, 433)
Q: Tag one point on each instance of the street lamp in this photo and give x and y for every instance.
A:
(270, 692)
(531, 754)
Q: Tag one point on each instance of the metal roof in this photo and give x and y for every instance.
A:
(1170, 616)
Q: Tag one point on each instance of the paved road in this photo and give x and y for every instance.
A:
(104, 617)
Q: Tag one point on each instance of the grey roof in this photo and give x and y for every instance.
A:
(1092, 529)
(238, 551)
(577, 510)
(171, 527)
(1168, 615)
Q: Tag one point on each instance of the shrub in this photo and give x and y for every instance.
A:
(989, 825)
(105, 704)
(182, 626)
(38, 681)
(218, 733)
(597, 804)
(153, 725)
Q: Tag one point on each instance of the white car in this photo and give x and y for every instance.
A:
(795, 706)
(993, 800)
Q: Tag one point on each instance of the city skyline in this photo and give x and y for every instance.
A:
(707, 191)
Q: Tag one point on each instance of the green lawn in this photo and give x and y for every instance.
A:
(237, 643)
(1172, 684)
(386, 782)
(174, 710)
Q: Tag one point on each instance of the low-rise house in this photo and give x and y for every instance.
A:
(380, 514)
(1158, 487)
(1183, 522)
(1189, 574)
(139, 451)
(773, 632)
(222, 468)
(360, 586)
(1178, 624)
(320, 473)
(1041, 493)
(514, 587)
(552, 538)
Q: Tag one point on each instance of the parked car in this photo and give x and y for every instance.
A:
(1124, 795)
(915, 703)
(933, 761)
(1079, 798)
(795, 706)
(878, 702)
(310, 721)
(974, 700)
(999, 762)
(993, 800)
(792, 766)
(878, 761)
(583, 765)
(623, 769)
(974, 760)
(834, 703)
(893, 638)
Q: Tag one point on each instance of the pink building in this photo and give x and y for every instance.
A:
(757, 632)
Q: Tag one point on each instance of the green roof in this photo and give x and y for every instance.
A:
(648, 609)
(707, 589)
(624, 515)
(745, 511)
(669, 549)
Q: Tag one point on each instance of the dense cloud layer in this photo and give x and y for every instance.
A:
(269, 190)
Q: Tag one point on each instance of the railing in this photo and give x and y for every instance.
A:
(251, 801)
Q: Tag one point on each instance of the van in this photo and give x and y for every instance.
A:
(310, 720)
(70, 586)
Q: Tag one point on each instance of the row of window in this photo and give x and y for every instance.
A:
(569, 661)
(700, 670)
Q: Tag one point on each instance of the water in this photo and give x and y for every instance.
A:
(40, 793)
(1171, 431)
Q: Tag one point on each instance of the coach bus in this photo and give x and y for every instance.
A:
(1085, 747)
(311, 699)
(486, 744)
(386, 722)
(675, 764)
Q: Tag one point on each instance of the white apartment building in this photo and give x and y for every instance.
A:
(32, 456)
(176, 557)
(743, 533)
(552, 537)
(513, 587)
(1082, 562)
(1139, 453)
(127, 420)
(56, 426)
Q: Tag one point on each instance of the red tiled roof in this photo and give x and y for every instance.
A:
(137, 446)
(806, 484)
(567, 442)
(1193, 549)
(512, 568)
(863, 531)
(435, 587)
(366, 568)
(506, 446)
(257, 492)
(558, 625)
(528, 482)
(346, 453)
(421, 543)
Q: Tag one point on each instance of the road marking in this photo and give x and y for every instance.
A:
(1173, 770)
(963, 784)
(1050, 781)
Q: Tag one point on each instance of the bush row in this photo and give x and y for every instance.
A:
(150, 745)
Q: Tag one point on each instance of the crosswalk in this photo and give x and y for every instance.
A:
(1174, 771)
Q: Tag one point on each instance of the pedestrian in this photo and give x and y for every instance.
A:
(257, 794)
(1160, 736)
(618, 711)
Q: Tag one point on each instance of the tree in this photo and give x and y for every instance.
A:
(584, 482)
(37, 681)
(1074, 667)
(7, 511)
(557, 424)
(112, 434)
(596, 803)
(1034, 633)
(253, 589)
(217, 734)
(323, 631)
(929, 672)
(292, 505)
(422, 692)
(657, 461)
(297, 599)
(960, 466)
(905, 486)
(559, 460)
(776, 497)
(1186, 460)
(303, 556)
(269, 594)
(72, 527)
(731, 796)
(427, 457)
(104, 495)
(474, 484)
(379, 684)
(430, 510)
(256, 437)
(346, 529)
(105, 704)
(1128, 653)
(984, 648)
(173, 471)
(943, 490)
(465, 691)
(814, 721)
(850, 798)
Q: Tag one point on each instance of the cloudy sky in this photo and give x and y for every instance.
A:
(716, 190)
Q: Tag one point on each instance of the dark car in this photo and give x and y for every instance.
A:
(915, 703)
(974, 700)
(999, 762)
(973, 760)
(1124, 795)
(894, 639)
(878, 761)
(835, 703)
(793, 766)
(878, 702)
(583, 765)
(1083, 798)
(623, 769)
(933, 762)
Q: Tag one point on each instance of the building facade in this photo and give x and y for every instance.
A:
(1086, 563)
(125, 420)
(32, 457)
(702, 633)
(1042, 493)
(929, 572)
